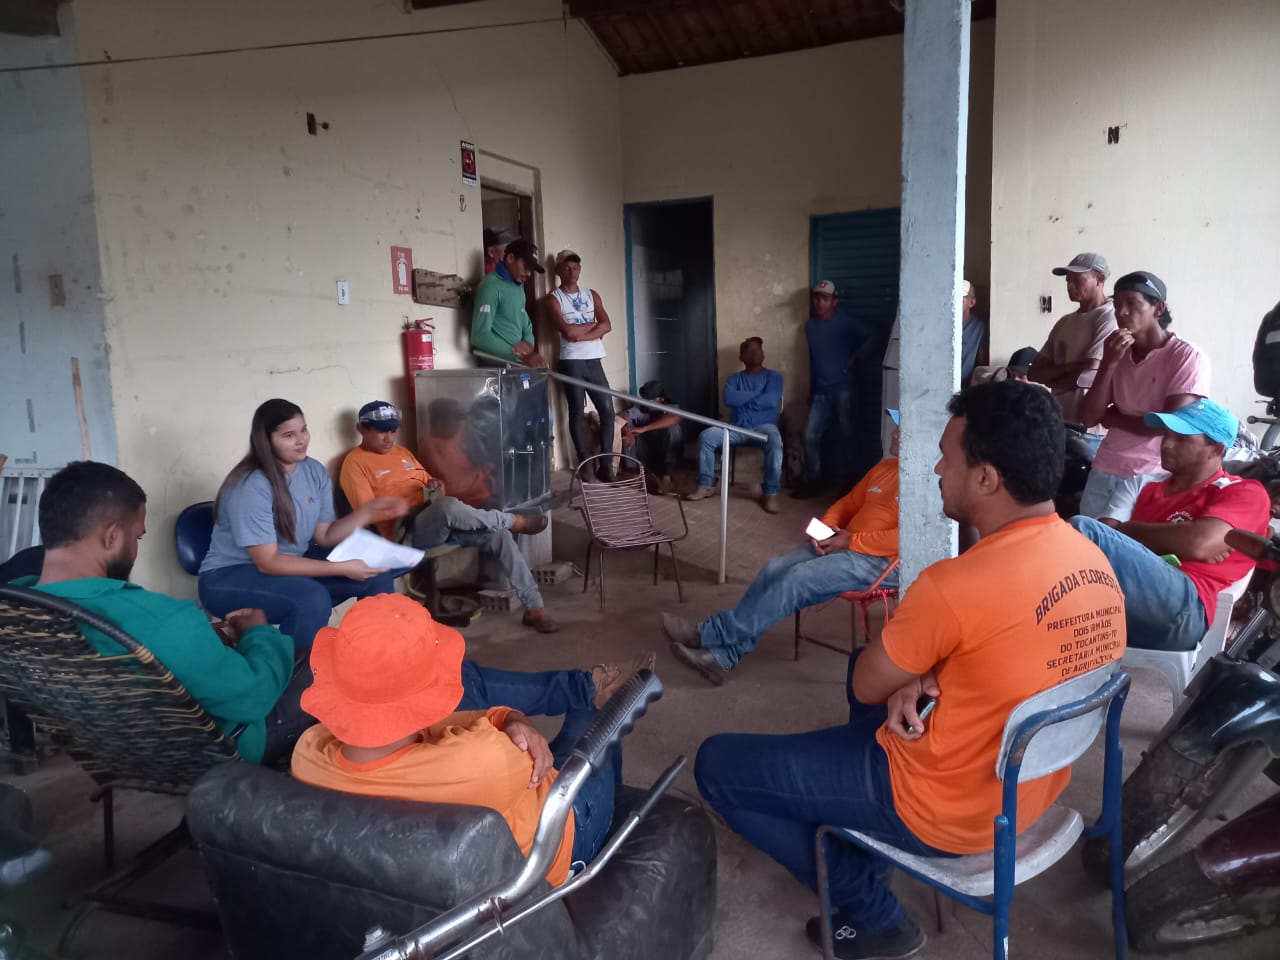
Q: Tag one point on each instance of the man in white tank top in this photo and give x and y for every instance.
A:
(581, 319)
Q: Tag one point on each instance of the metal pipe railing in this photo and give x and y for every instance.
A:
(683, 415)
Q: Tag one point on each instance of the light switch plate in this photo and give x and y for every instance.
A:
(344, 293)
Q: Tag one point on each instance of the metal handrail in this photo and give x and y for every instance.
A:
(683, 415)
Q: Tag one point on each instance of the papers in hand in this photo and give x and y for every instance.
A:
(817, 530)
(375, 551)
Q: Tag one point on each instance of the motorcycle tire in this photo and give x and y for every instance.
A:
(1167, 792)
(1176, 907)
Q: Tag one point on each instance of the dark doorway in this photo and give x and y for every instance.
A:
(671, 300)
(509, 210)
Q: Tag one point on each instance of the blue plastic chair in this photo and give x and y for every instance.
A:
(191, 535)
(1043, 734)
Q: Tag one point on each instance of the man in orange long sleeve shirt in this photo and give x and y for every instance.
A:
(863, 547)
(380, 467)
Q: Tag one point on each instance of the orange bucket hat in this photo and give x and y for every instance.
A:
(388, 670)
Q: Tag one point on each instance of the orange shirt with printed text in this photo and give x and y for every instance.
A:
(396, 473)
(1029, 606)
(870, 512)
(465, 758)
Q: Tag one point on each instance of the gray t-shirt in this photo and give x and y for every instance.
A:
(1078, 336)
(246, 517)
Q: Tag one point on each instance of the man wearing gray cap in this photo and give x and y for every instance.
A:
(1075, 343)
(579, 315)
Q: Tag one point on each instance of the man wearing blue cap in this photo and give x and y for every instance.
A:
(1186, 516)
(380, 467)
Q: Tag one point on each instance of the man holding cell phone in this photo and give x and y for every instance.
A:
(849, 548)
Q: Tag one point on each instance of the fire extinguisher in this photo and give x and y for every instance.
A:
(419, 351)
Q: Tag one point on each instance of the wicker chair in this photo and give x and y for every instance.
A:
(124, 719)
(618, 518)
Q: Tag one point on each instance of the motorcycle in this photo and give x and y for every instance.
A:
(1225, 733)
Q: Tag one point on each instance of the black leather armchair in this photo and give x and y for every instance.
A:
(300, 872)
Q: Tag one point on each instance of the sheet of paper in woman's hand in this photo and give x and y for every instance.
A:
(818, 530)
(376, 551)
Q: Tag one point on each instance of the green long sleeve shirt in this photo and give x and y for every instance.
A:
(235, 685)
(499, 319)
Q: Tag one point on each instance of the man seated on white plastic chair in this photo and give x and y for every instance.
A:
(1187, 516)
(1030, 605)
(864, 545)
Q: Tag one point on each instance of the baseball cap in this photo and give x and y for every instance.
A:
(564, 255)
(1083, 263)
(493, 238)
(1021, 360)
(380, 415)
(522, 249)
(894, 415)
(825, 287)
(966, 289)
(387, 670)
(1203, 416)
(1143, 282)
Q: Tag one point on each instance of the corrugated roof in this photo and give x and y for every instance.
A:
(642, 36)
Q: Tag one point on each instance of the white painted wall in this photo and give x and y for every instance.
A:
(47, 228)
(224, 226)
(776, 140)
(1191, 190)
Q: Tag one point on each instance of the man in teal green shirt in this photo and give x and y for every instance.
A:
(500, 323)
(91, 519)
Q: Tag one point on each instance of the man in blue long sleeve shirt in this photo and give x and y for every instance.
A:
(755, 397)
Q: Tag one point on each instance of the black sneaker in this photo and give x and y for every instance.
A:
(853, 944)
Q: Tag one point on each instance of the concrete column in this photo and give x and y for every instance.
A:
(935, 122)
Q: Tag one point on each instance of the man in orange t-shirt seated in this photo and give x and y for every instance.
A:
(387, 681)
(380, 467)
(980, 633)
(864, 545)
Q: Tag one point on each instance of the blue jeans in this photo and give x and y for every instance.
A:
(823, 408)
(775, 791)
(783, 586)
(1161, 606)
(554, 693)
(300, 606)
(448, 518)
(711, 440)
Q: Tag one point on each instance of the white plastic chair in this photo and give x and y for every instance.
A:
(1180, 666)
(1044, 733)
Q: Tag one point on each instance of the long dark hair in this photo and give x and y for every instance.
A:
(266, 419)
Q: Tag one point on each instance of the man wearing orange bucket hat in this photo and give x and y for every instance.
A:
(386, 684)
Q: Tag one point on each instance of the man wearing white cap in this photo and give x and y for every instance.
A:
(833, 337)
(1075, 343)
(579, 315)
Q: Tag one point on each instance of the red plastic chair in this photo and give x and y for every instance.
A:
(860, 606)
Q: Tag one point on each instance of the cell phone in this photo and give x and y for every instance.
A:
(924, 706)
(818, 530)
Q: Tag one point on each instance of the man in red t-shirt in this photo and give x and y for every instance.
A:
(1187, 516)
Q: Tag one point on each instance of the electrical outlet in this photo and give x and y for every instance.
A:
(344, 293)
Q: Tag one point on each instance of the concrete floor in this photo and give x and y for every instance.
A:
(761, 911)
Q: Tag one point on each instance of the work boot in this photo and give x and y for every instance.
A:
(529, 523)
(853, 944)
(681, 630)
(538, 619)
(700, 494)
(770, 503)
(701, 660)
(608, 677)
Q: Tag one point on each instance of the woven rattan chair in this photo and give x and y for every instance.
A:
(124, 719)
(618, 518)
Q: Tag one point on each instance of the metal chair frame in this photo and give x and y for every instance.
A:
(1020, 730)
(615, 505)
(860, 609)
(124, 719)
